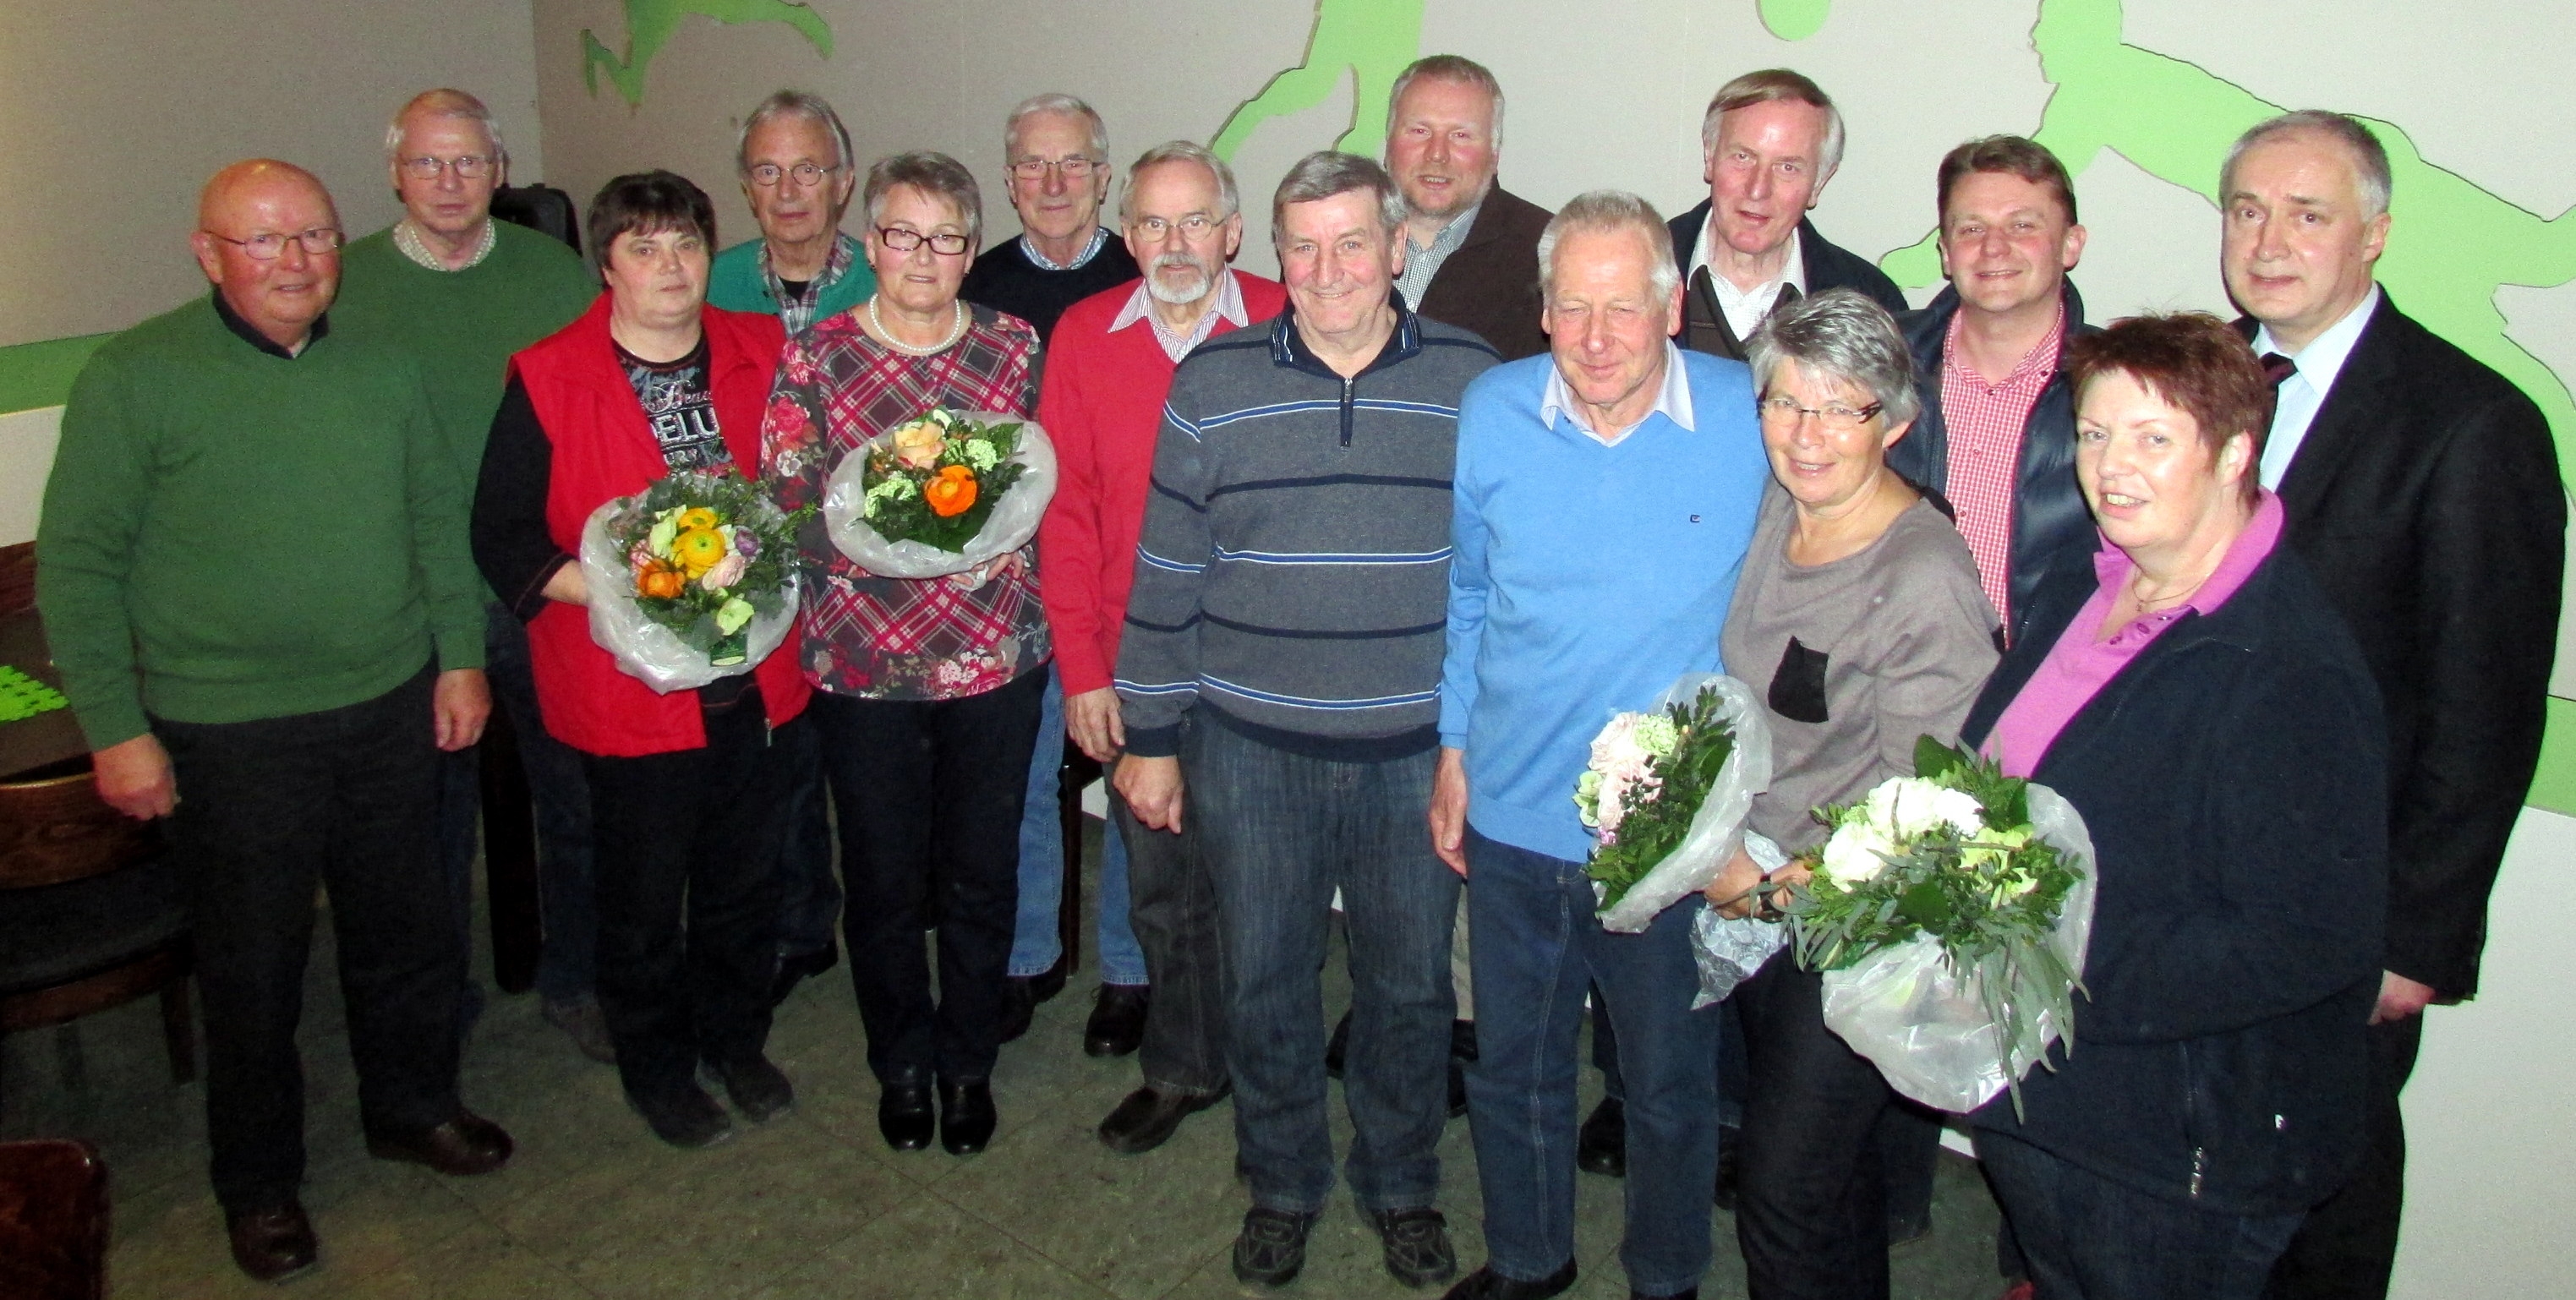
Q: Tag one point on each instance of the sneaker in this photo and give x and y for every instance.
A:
(757, 1088)
(1417, 1245)
(581, 1021)
(685, 1116)
(1271, 1247)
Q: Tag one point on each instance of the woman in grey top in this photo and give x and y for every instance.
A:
(1860, 622)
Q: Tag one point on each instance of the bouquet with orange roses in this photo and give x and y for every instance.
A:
(692, 579)
(940, 493)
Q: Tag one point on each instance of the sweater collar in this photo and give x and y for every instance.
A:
(1288, 349)
(249, 334)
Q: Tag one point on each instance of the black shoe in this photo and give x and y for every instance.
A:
(463, 1146)
(1337, 1049)
(1601, 1145)
(684, 1116)
(796, 968)
(966, 1116)
(1148, 1117)
(1486, 1284)
(1271, 1247)
(272, 1242)
(1691, 1294)
(904, 1115)
(1117, 1024)
(757, 1088)
(1462, 1040)
(1021, 995)
(1902, 1230)
(1417, 1245)
(1729, 1142)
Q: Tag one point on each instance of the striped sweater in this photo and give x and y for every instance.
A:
(1293, 571)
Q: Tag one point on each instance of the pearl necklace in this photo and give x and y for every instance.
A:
(955, 332)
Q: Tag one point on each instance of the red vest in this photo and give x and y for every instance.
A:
(603, 448)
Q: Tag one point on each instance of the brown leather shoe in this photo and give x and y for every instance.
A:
(272, 1242)
(466, 1145)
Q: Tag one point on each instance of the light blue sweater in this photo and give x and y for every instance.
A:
(1584, 580)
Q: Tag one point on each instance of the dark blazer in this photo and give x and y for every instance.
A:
(2050, 519)
(1828, 267)
(2426, 500)
(1489, 286)
(2234, 781)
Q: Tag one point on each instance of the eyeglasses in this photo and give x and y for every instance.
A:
(269, 246)
(1193, 227)
(1074, 168)
(1782, 409)
(904, 241)
(468, 166)
(806, 174)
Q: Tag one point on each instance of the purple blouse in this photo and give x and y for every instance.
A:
(2081, 663)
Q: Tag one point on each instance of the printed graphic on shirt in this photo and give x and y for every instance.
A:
(680, 409)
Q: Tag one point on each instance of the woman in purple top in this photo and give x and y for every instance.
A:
(2194, 696)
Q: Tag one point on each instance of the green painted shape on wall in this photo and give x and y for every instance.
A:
(34, 375)
(650, 25)
(1795, 20)
(2553, 786)
(1370, 40)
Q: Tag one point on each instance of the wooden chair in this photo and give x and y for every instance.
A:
(53, 1221)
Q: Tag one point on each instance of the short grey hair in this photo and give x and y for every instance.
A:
(1454, 68)
(803, 104)
(2369, 156)
(1604, 212)
(931, 173)
(1228, 198)
(1842, 335)
(1066, 105)
(1771, 86)
(447, 103)
(1327, 172)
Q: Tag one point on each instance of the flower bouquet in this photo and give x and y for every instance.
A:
(692, 579)
(940, 493)
(1949, 912)
(1666, 793)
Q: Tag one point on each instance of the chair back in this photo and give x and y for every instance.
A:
(53, 1221)
(54, 828)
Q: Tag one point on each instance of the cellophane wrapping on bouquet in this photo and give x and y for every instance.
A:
(653, 654)
(1010, 525)
(1718, 827)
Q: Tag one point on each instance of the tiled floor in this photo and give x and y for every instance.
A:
(810, 1205)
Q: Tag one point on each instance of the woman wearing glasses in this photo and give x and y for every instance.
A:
(927, 689)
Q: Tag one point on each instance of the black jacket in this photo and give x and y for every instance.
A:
(1489, 285)
(2426, 500)
(1827, 267)
(2234, 781)
(2050, 519)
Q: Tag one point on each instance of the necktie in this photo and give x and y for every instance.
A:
(2277, 369)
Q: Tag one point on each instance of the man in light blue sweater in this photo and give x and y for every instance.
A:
(1604, 498)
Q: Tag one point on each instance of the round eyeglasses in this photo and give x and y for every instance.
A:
(807, 174)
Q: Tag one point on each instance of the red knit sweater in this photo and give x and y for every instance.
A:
(1102, 404)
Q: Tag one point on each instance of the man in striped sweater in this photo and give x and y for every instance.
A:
(1282, 664)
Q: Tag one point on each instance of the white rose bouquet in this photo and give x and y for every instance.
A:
(1949, 912)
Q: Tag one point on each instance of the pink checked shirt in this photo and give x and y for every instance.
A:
(1985, 422)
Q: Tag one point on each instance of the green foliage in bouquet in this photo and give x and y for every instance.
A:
(936, 479)
(707, 553)
(1654, 772)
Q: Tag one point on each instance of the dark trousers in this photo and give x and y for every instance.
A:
(1537, 947)
(2347, 1246)
(809, 882)
(1811, 1209)
(929, 795)
(1280, 832)
(1172, 905)
(2088, 1238)
(688, 899)
(268, 809)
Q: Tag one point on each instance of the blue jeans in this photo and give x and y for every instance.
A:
(1537, 948)
(1035, 945)
(2088, 1238)
(1279, 832)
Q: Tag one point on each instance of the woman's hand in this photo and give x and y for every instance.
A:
(998, 566)
(1732, 892)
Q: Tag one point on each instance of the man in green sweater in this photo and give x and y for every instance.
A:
(462, 292)
(252, 566)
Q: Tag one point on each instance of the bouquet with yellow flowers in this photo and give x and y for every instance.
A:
(692, 579)
(940, 493)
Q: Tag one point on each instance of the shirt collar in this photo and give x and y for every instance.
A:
(1099, 240)
(1228, 307)
(407, 242)
(1288, 348)
(249, 334)
(2042, 357)
(1672, 401)
(2322, 359)
(845, 253)
(1792, 272)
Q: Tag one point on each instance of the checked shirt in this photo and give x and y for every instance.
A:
(899, 638)
(1986, 419)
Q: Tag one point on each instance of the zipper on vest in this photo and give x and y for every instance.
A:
(1346, 412)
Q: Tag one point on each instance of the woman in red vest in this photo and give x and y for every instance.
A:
(684, 787)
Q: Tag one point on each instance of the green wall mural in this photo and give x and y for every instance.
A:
(650, 24)
(1370, 40)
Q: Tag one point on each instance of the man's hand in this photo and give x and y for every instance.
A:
(458, 704)
(134, 777)
(1091, 718)
(1152, 789)
(1449, 809)
(2400, 997)
(1732, 892)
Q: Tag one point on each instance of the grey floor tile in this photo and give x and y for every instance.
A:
(928, 1249)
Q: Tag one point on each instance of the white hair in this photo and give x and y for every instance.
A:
(453, 104)
(1229, 200)
(1603, 212)
(1066, 105)
(797, 104)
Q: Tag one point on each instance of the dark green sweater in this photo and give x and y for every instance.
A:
(231, 535)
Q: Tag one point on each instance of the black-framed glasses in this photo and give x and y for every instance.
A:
(807, 174)
(1193, 227)
(904, 241)
(1780, 408)
(268, 246)
(467, 166)
(1074, 168)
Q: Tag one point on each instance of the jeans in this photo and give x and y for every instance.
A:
(809, 882)
(1537, 948)
(2088, 1238)
(688, 899)
(1811, 1195)
(1035, 942)
(1280, 832)
(1174, 911)
(2347, 1247)
(268, 809)
(928, 795)
(559, 795)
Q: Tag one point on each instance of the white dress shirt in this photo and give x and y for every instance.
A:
(1672, 398)
(1745, 311)
(1228, 306)
(2304, 392)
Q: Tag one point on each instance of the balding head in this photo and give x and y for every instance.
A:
(263, 206)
